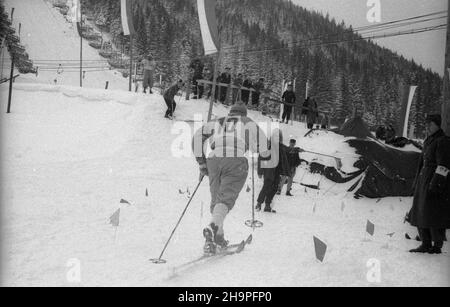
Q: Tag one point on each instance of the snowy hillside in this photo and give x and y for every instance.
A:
(70, 155)
(51, 40)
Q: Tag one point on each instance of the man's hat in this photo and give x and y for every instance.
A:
(238, 109)
(434, 118)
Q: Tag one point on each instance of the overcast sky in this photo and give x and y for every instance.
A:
(426, 48)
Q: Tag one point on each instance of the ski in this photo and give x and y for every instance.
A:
(231, 249)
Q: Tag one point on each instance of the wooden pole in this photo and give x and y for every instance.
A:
(131, 62)
(11, 84)
(213, 90)
(81, 51)
(446, 87)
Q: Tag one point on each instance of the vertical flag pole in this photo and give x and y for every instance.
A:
(11, 76)
(81, 46)
(131, 63)
(81, 61)
(213, 91)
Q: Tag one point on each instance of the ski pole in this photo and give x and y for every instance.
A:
(253, 223)
(160, 260)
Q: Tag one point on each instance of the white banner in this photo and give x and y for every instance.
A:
(412, 91)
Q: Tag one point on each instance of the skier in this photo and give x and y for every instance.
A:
(430, 212)
(272, 174)
(294, 162)
(149, 68)
(227, 168)
(169, 98)
(289, 102)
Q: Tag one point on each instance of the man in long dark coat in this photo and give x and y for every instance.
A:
(431, 206)
(272, 175)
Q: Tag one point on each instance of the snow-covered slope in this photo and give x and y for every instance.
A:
(69, 156)
(51, 40)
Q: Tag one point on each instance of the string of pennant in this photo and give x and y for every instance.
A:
(320, 246)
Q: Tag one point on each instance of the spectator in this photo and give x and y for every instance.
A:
(245, 94)
(272, 175)
(390, 134)
(430, 212)
(325, 121)
(259, 87)
(313, 112)
(225, 78)
(218, 88)
(197, 74)
(381, 133)
(208, 76)
(149, 70)
(294, 162)
(289, 102)
(238, 81)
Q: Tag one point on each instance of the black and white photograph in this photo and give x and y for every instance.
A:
(202, 145)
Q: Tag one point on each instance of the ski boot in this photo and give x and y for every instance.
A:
(221, 243)
(422, 249)
(258, 207)
(289, 193)
(437, 248)
(210, 247)
(269, 210)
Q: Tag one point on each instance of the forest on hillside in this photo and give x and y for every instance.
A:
(278, 40)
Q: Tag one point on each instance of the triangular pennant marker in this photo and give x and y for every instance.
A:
(115, 219)
(248, 189)
(321, 249)
(123, 201)
(391, 234)
(370, 228)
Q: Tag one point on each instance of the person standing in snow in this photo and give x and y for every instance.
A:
(237, 82)
(294, 162)
(149, 70)
(430, 212)
(289, 102)
(197, 74)
(259, 88)
(225, 78)
(313, 112)
(169, 98)
(272, 174)
(245, 94)
(227, 168)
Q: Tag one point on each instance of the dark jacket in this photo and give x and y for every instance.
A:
(282, 169)
(225, 78)
(313, 112)
(289, 98)
(171, 92)
(432, 209)
(293, 157)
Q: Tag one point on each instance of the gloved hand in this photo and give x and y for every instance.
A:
(298, 150)
(439, 181)
(203, 171)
